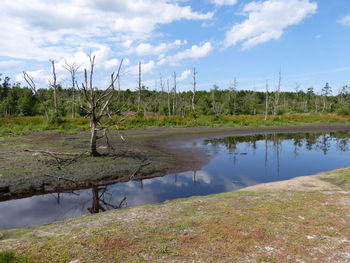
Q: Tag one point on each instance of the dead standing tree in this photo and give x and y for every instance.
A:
(139, 90)
(33, 88)
(266, 100)
(277, 94)
(174, 96)
(98, 104)
(54, 86)
(194, 85)
(72, 69)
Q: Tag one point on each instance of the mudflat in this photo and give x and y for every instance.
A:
(25, 172)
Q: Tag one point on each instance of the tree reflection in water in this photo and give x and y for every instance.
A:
(100, 202)
(321, 141)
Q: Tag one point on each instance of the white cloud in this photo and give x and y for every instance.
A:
(40, 78)
(345, 20)
(267, 20)
(104, 60)
(7, 65)
(193, 52)
(147, 49)
(127, 43)
(184, 75)
(44, 29)
(145, 68)
(224, 2)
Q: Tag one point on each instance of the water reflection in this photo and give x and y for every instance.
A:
(273, 144)
(236, 162)
(100, 202)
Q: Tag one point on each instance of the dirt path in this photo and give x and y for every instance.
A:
(298, 184)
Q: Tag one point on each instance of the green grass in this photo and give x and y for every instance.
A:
(229, 227)
(12, 257)
(230, 121)
(22, 125)
(340, 177)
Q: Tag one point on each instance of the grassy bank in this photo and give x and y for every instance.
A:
(247, 226)
(22, 125)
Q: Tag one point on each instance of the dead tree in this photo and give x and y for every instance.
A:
(33, 88)
(139, 89)
(194, 84)
(162, 95)
(277, 94)
(233, 95)
(169, 107)
(54, 86)
(72, 69)
(97, 103)
(266, 100)
(99, 203)
(174, 94)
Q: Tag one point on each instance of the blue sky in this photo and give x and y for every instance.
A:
(308, 40)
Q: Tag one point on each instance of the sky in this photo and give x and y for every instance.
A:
(307, 40)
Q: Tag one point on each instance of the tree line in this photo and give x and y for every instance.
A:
(168, 100)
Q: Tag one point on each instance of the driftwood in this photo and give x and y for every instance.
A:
(138, 169)
(61, 178)
(56, 155)
(51, 153)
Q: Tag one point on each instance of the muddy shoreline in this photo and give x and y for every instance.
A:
(168, 149)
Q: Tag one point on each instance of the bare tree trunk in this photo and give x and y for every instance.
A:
(233, 95)
(169, 108)
(277, 94)
(194, 92)
(98, 104)
(32, 86)
(54, 86)
(139, 91)
(267, 100)
(72, 69)
(93, 138)
(324, 104)
(73, 102)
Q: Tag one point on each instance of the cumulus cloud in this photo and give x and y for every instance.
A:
(40, 77)
(345, 20)
(184, 75)
(267, 21)
(193, 52)
(104, 61)
(42, 29)
(145, 68)
(7, 65)
(148, 49)
(224, 2)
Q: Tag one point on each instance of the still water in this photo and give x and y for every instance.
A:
(235, 162)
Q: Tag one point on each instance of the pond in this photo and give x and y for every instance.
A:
(235, 162)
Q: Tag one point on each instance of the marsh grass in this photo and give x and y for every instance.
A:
(23, 125)
(12, 257)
